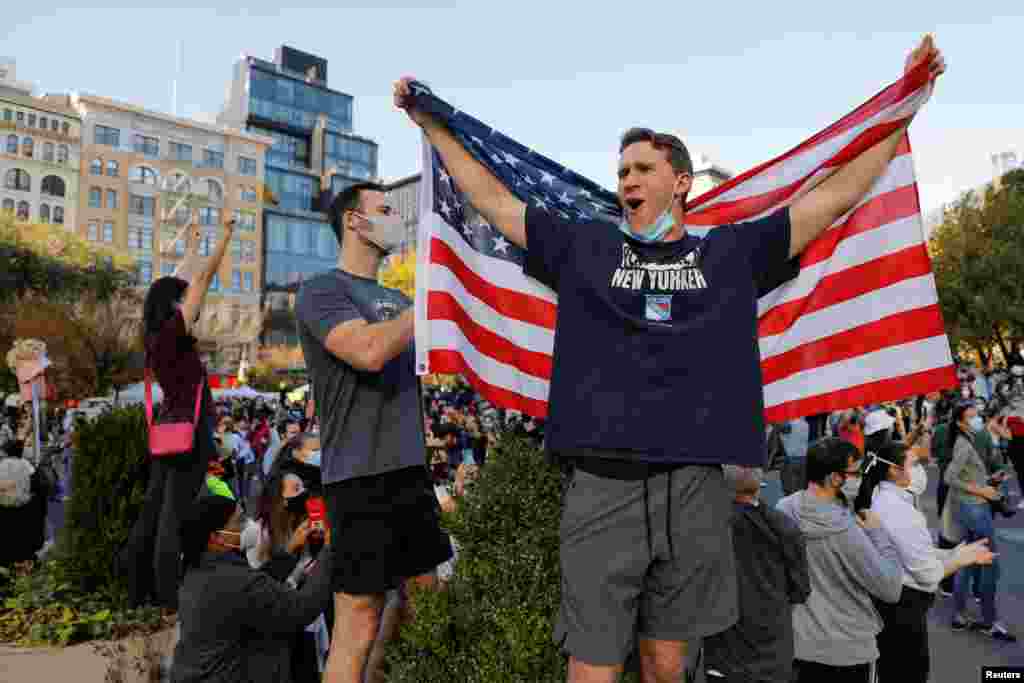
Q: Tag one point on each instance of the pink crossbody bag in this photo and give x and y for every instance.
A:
(168, 439)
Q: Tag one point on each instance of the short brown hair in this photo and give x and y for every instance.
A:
(348, 199)
(678, 155)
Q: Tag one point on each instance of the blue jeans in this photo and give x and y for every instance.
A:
(976, 521)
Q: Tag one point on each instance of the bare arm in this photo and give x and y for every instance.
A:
(191, 264)
(196, 292)
(369, 346)
(500, 207)
(813, 213)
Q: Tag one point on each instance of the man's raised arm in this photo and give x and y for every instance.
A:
(821, 207)
(501, 208)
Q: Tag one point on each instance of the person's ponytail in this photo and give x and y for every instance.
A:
(876, 469)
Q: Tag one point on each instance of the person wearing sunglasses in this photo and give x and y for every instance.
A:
(903, 642)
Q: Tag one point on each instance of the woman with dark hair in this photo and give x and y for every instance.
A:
(903, 642)
(970, 492)
(238, 623)
(150, 559)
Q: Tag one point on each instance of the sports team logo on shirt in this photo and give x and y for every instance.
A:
(659, 307)
(386, 310)
(680, 275)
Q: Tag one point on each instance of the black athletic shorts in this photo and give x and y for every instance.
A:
(385, 528)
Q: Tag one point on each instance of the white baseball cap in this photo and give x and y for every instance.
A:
(878, 421)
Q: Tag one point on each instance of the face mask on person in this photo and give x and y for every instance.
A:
(918, 480)
(649, 234)
(297, 504)
(966, 393)
(976, 423)
(388, 231)
(313, 458)
(850, 488)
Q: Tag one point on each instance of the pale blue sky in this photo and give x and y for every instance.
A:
(739, 81)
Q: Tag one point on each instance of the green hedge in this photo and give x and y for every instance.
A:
(111, 470)
(494, 623)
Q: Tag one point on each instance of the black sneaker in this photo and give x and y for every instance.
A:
(960, 623)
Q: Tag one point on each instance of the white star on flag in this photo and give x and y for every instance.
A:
(565, 198)
(546, 177)
(445, 209)
(445, 178)
(500, 245)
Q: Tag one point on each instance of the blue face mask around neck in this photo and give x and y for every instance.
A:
(651, 233)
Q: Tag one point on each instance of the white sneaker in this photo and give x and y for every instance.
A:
(1020, 505)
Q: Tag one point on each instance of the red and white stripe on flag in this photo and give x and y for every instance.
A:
(859, 324)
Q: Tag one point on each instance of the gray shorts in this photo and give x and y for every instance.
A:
(649, 559)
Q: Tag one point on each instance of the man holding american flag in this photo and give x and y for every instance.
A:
(635, 408)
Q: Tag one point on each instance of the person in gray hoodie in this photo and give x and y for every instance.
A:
(850, 558)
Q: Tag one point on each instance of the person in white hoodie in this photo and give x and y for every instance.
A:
(850, 558)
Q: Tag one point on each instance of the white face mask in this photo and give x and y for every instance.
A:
(850, 488)
(388, 232)
(918, 479)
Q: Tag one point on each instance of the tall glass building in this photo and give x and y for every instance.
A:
(311, 125)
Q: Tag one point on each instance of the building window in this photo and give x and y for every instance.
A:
(44, 213)
(8, 115)
(213, 159)
(108, 232)
(213, 191)
(215, 283)
(12, 144)
(47, 151)
(107, 136)
(248, 252)
(144, 175)
(95, 198)
(236, 280)
(209, 216)
(248, 281)
(236, 250)
(111, 199)
(134, 237)
(8, 206)
(95, 167)
(17, 179)
(206, 242)
(53, 186)
(246, 166)
(145, 270)
(141, 206)
(94, 231)
(43, 123)
(53, 125)
(23, 211)
(147, 146)
(65, 128)
(167, 269)
(248, 194)
(113, 169)
(21, 117)
(245, 220)
(27, 147)
(180, 152)
(32, 120)
(58, 215)
(62, 154)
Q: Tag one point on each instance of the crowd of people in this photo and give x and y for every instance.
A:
(288, 542)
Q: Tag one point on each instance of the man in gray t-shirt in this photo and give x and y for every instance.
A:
(357, 340)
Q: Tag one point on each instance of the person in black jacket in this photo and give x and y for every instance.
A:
(237, 623)
(771, 569)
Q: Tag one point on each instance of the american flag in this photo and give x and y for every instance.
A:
(853, 320)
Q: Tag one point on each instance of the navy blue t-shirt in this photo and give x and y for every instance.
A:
(656, 349)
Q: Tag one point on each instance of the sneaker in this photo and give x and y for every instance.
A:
(960, 623)
(1020, 505)
(998, 632)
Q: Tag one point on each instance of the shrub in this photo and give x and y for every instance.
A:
(494, 623)
(111, 470)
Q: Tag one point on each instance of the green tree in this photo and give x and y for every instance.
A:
(978, 255)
